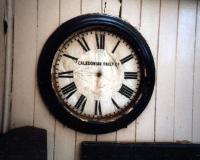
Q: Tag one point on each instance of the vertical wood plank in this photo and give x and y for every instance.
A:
(80, 137)
(166, 71)
(126, 134)
(48, 12)
(87, 6)
(111, 7)
(9, 29)
(149, 29)
(196, 99)
(24, 63)
(184, 71)
(69, 9)
(65, 144)
(107, 137)
(131, 13)
(2, 59)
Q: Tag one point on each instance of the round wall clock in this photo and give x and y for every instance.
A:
(96, 73)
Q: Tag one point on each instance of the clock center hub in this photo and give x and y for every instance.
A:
(98, 73)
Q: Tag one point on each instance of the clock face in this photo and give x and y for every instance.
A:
(96, 73)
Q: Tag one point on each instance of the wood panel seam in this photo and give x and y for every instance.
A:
(158, 43)
(140, 18)
(195, 41)
(12, 69)
(174, 118)
(54, 139)
(36, 66)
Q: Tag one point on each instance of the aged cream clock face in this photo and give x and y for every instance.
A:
(95, 75)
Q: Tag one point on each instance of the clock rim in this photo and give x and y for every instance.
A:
(46, 59)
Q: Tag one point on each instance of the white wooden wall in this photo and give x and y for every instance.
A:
(172, 30)
(2, 59)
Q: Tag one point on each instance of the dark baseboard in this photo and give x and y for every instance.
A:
(139, 151)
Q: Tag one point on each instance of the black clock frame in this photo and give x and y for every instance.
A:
(107, 22)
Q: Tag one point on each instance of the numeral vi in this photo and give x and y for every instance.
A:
(97, 108)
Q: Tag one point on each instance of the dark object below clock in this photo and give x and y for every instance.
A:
(139, 151)
(25, 143)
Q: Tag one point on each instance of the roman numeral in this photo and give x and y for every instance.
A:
(68, 74)
(130, 75)
(115, 47)
(80, 105)
(126, 91)
(71, 57)
(126, 59)
(69, 89)
(83, 44)
(97, 108)
(100, 40)
(116, 105)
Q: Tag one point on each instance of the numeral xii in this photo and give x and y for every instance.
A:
(100, 40)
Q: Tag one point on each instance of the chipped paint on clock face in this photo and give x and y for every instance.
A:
(95, 75)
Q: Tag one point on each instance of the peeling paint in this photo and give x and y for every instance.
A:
(120, 9)
(104, 10)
